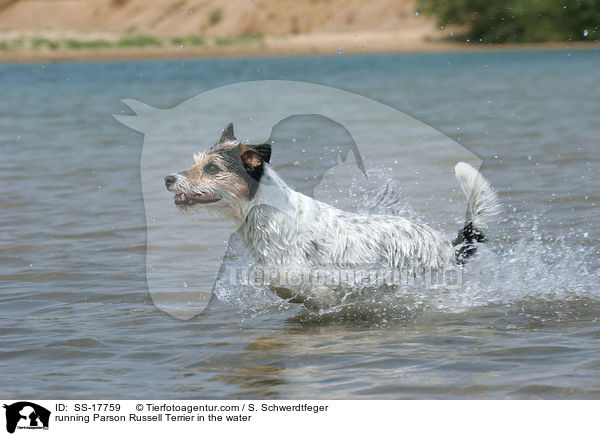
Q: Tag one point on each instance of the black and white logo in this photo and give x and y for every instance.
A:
(26, 415)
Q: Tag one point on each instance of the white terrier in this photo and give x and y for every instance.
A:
(282, 227)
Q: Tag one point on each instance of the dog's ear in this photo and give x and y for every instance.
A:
(254, 155)
(250, 157)
(264, 151)
(227, 135)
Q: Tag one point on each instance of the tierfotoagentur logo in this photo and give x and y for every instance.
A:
(320, 141)
(24, 415)
(258, 275)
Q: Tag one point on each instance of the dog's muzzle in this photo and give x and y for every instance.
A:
(188, 199)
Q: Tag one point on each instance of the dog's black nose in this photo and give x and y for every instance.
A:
(169, 180)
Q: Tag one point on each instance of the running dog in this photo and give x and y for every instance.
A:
(280, 226)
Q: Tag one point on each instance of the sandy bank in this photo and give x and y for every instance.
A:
(342, 43)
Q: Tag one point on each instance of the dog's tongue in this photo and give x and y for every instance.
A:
(192, 198)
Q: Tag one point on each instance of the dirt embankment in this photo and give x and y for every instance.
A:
(112, 29)
(211, 17)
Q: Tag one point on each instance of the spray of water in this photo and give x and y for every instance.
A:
(529, 273)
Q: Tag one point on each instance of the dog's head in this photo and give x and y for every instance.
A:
(223, 178)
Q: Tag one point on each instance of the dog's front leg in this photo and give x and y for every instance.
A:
(292, 297)
(322, 296)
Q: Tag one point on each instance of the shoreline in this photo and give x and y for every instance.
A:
(273, 46)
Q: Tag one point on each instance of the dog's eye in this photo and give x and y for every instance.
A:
(211, 169)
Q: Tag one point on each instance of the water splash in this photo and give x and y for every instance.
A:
(534, 274)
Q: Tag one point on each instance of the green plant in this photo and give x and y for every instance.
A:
(250, 37)
(518, 20)
(189, 40)
(138, 41)
(242, 39)
(40, 42)
(224, 41)
(16, 43)
(75, 44)
(215, 16)
(196, 40)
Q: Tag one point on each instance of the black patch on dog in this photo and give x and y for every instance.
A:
(255, 172)
(316, 245)
(234, 161)
(253, 178)
(466, 241)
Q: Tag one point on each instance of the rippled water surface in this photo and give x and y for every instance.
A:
(76, 317)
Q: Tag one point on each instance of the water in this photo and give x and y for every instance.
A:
(76, 317)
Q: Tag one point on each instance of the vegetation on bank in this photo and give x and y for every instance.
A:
(501, 21)
(243, 39)
(138, 41)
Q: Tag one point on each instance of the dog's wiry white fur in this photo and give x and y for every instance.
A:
(318, 234)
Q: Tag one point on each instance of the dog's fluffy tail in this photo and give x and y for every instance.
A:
(481, 204)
